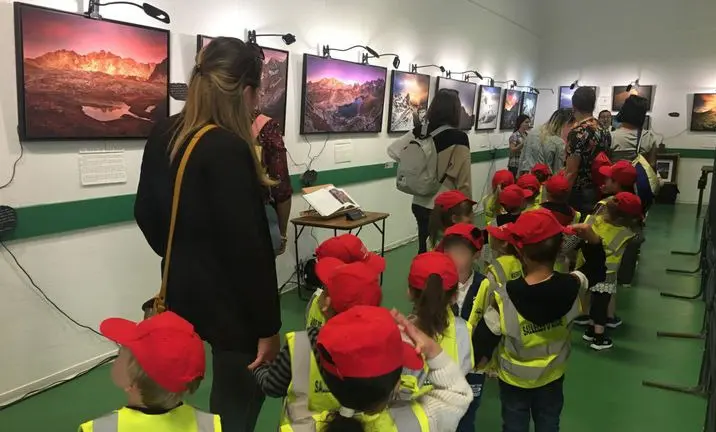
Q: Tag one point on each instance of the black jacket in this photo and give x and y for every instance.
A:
(222, 275)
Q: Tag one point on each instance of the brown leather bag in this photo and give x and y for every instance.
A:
(157, 304)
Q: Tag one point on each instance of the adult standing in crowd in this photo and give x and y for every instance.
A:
(585, 141)
(222, 275)
(545, 146)
(517, 142)
(631, 135)
(605, 119)
(454, 160)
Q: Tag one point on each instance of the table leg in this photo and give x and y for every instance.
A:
(382, 243)
(297, 233)
(335, 232)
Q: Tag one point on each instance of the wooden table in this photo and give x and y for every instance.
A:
(339, 223)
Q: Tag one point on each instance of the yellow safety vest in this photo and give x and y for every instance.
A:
(314, 314)
(562, 264)
(401, 418)
(456, 341)
(183, 418)
(530, 355)
(614, 241)
(308, 394)
(488, 203)
(541, 196)
(501, 270)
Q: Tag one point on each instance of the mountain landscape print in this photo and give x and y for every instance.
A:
(467, 92)
(341, 96)
(703, 114)
(274, 84)
(409, 93)
(80, 78)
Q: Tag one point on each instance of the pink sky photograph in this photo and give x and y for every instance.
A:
(48, 31)
(318, 68)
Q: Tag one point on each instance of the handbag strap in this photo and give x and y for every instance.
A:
(175, 203)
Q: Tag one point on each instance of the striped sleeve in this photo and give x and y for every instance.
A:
(274, 378)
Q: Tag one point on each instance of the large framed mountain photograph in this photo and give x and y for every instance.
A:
(467, 92)
(488, 108)
(274, 85)
(511, 106)
(409, 94)
(80, 78)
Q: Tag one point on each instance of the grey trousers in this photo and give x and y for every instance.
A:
(235, 394)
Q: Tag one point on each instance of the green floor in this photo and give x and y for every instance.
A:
(603, 391)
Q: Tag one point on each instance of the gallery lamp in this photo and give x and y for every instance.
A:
(287, 38)
(154, 12)
(327, 50)
(511, 83)
(396, 59)
(634, 84)
(490, 81)
(414, 67)
(574, 84)
(466, 74)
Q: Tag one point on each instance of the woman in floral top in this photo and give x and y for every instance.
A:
(517, 141)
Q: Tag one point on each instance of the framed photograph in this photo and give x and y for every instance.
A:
(274, 85)
(511, 105)
(409, 95)
(339, 96)
(667, 166)
(202, 41)
(529, 105)
(565, 95)
(620, 94)
(80, 78)
(467, 92)
(703, 113)
(488, 108)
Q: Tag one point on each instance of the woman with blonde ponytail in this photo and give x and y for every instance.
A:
(220, 272)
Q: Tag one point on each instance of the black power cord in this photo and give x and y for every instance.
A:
(14, 167)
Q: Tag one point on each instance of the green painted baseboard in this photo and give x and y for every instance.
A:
(56, 218)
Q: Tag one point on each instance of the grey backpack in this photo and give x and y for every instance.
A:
(418, 165)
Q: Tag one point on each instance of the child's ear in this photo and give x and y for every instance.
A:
(326, 306)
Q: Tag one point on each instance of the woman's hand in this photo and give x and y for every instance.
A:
(424, 344)
(585, 232)
(284, 242)
(267, 351)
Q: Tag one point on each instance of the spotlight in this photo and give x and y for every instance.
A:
(152, 11)
(466, 74)
(513, 83)
(327, 50)
(414, 67)
(490, 81)
(632, 85)
(287, 38)
(574, 84)
(396, 58)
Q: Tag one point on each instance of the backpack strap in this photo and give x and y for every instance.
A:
(259, 124)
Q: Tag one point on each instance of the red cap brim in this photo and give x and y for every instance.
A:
(568, 230)
(411, 359)
(375, 262)
(326, 268)
(499, 233)
(606, 171)
(119, 330)
(527, 193)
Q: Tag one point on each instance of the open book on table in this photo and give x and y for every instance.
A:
(329, 200)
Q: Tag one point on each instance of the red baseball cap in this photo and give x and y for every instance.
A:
(430, 263)
(502, 178)
(165, 346)
(530, 228)
(513, 196)
(622, 172)
(349, 284)
(466, 231)
(349, 249)
(628, 203)
(541, 168)
(557, 185)
(450, 199)
(529, 181)
(364, 342)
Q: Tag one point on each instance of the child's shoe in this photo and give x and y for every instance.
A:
(601, 342)
(582, 320)
(614, 322)
(589, 334)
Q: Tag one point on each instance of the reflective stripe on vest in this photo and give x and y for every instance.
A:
(405, 418)
(314, 315)
(500, 274)
(111, 423)
(614, 238)
(298, 391)
(409, 417)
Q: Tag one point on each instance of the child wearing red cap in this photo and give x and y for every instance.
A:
(605, 238)
(349, 249)
(530, 182)
(361, 354)
(462, 243)
(543, 173)
(620, 177)
(557, 190)
(451, 207)
(161, 360)
(294, 374)
(490, 203)
(528, 325)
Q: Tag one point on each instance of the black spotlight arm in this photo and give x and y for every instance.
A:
(490, 80)
(476, 73)
(414, 67)
(288, 38)
(396, 59)
(148, 9)
(327, 49)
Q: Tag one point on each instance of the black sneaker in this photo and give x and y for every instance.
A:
(589, 334)
(601, 342)
(615, 322)
(582, 320)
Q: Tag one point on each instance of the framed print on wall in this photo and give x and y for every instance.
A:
(467, 92)
(703, 113)
(274, 86)
(202, 41)
(80, 78)
(488, 108)
(511, 105)
(667, 166)
(620, 94)
(529, 105)
(409, 95)
(566, 93)
(339, 96)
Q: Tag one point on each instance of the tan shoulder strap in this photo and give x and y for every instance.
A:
(175, 205)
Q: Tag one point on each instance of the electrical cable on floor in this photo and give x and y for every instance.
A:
(44, 296)
(14, 167)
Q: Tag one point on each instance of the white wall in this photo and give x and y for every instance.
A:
(664, 43)
(97, 273)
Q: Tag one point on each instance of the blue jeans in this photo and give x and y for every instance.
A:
(543, 405)
(467, 423)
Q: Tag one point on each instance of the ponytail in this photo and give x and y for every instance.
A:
(496, 206)
(338, 423)
(431, 306)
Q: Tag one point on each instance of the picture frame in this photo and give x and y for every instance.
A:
(488, 108)
(467, 92)
(511, 105)
(529, 105)
(405, 88)
(202, 41)
(620, 94)
(340, 78)
(95, 93)
(274, 85)
(703, 113)
(566, 93)
(667, 166)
